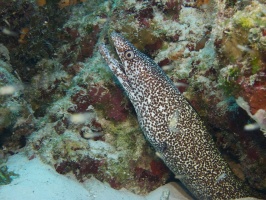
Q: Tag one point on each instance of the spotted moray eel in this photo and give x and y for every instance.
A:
(171, 125)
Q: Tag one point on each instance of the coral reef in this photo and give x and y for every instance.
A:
(111, 156)
(59, 100)
(16, 119)
(245, 75)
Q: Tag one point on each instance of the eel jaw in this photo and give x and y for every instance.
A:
(118, 70)
(112, 62)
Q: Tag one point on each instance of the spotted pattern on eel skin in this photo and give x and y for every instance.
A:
(171, 125)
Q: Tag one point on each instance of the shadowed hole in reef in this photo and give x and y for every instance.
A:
(5, 134)
(5, 137)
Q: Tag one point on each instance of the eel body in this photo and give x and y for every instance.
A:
(171, 125)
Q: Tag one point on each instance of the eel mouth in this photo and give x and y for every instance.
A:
(110, 60)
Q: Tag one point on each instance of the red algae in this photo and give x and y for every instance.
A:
(254, 94)
(81, 169)
(81, 100)
(164, 62)
(145, 175)
(111, 101)
(158, 168)
(114, 183)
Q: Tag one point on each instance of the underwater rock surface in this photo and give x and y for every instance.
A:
(59, 101)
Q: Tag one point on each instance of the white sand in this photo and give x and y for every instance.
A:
(38, 181)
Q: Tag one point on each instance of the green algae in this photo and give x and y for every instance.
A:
(228, 84)
(6, 176)
(134, 151)
(255, 65)
(229, 88)
(245, 22)
(126, 134)
(252, 16)
(120, 169)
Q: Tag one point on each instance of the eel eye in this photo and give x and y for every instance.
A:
(129, 55)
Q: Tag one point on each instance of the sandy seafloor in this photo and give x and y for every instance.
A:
(38, 181)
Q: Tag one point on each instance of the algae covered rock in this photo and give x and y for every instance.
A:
(16, 121)
(6, 176)
(244, 44)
